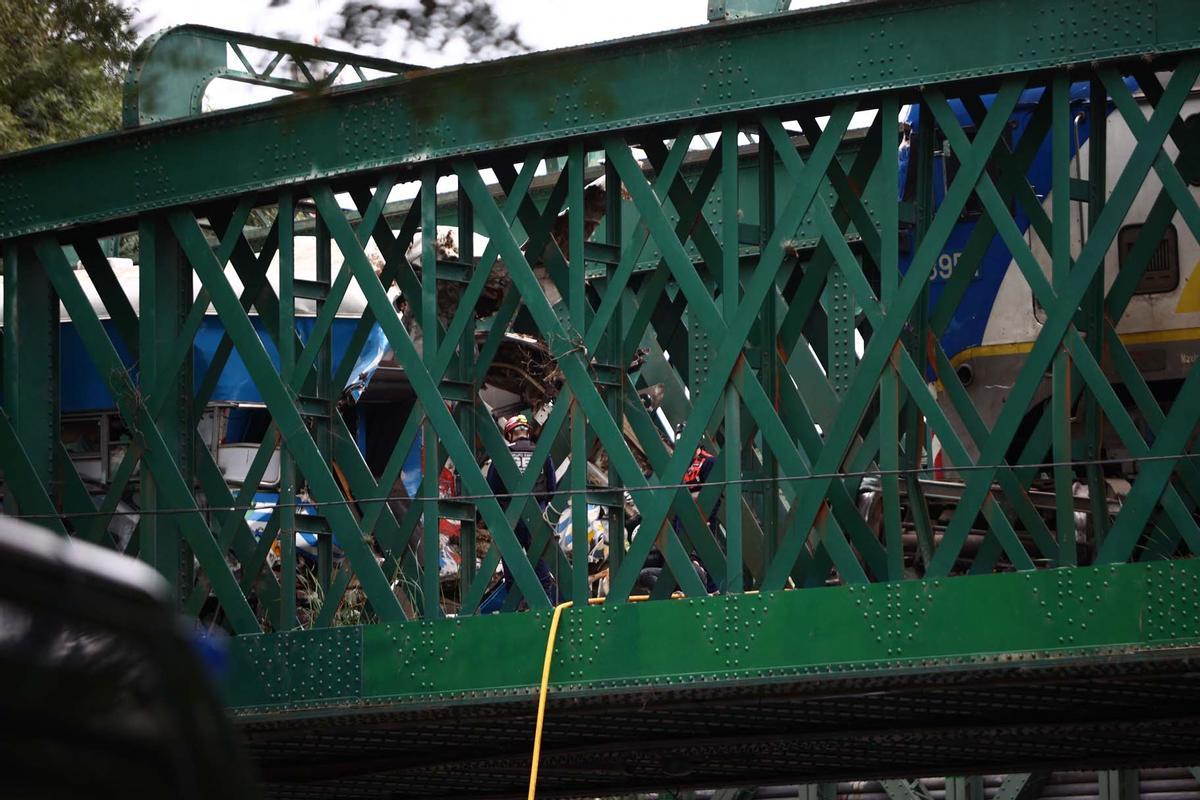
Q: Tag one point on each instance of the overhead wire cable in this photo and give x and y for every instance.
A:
(876, 473)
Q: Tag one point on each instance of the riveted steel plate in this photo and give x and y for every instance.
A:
(297, 668)
(906, 628)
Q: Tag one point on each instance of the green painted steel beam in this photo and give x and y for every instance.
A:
(722, 10)
(705, 294)
(172, 69)
(165, 289)
(31, 373)
(896, 629)
(1118, 784)
(1021, 786)
(862, 47)
(817, 791)
(900, 790)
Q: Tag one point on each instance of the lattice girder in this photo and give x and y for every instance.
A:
(779, 302)
(758, 272)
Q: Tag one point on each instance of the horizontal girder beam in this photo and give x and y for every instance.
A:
(885, 630)
(755, 63)
(1086, 667)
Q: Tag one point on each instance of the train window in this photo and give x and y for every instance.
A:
(1162, 273)
(1189, 160)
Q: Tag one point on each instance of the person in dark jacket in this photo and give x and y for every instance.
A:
(695, 477)
(521, 447)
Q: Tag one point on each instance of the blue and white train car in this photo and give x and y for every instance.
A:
(234, 420)
(998, 318)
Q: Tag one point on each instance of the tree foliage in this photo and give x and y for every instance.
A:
(402, 25)
(61, 63)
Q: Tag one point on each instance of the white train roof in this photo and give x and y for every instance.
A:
(353, 304)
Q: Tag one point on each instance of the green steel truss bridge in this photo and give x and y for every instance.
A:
(976, 633)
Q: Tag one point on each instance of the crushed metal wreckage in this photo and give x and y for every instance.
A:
(523, 376)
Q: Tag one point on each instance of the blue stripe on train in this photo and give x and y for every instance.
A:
(969, 323)
(87, 391)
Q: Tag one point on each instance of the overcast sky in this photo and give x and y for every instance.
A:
(544, 24)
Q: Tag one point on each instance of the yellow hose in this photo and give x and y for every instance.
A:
(537, 733)
(541, 715)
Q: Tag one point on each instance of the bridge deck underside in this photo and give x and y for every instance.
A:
(1081, 668)
(1130, 710)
